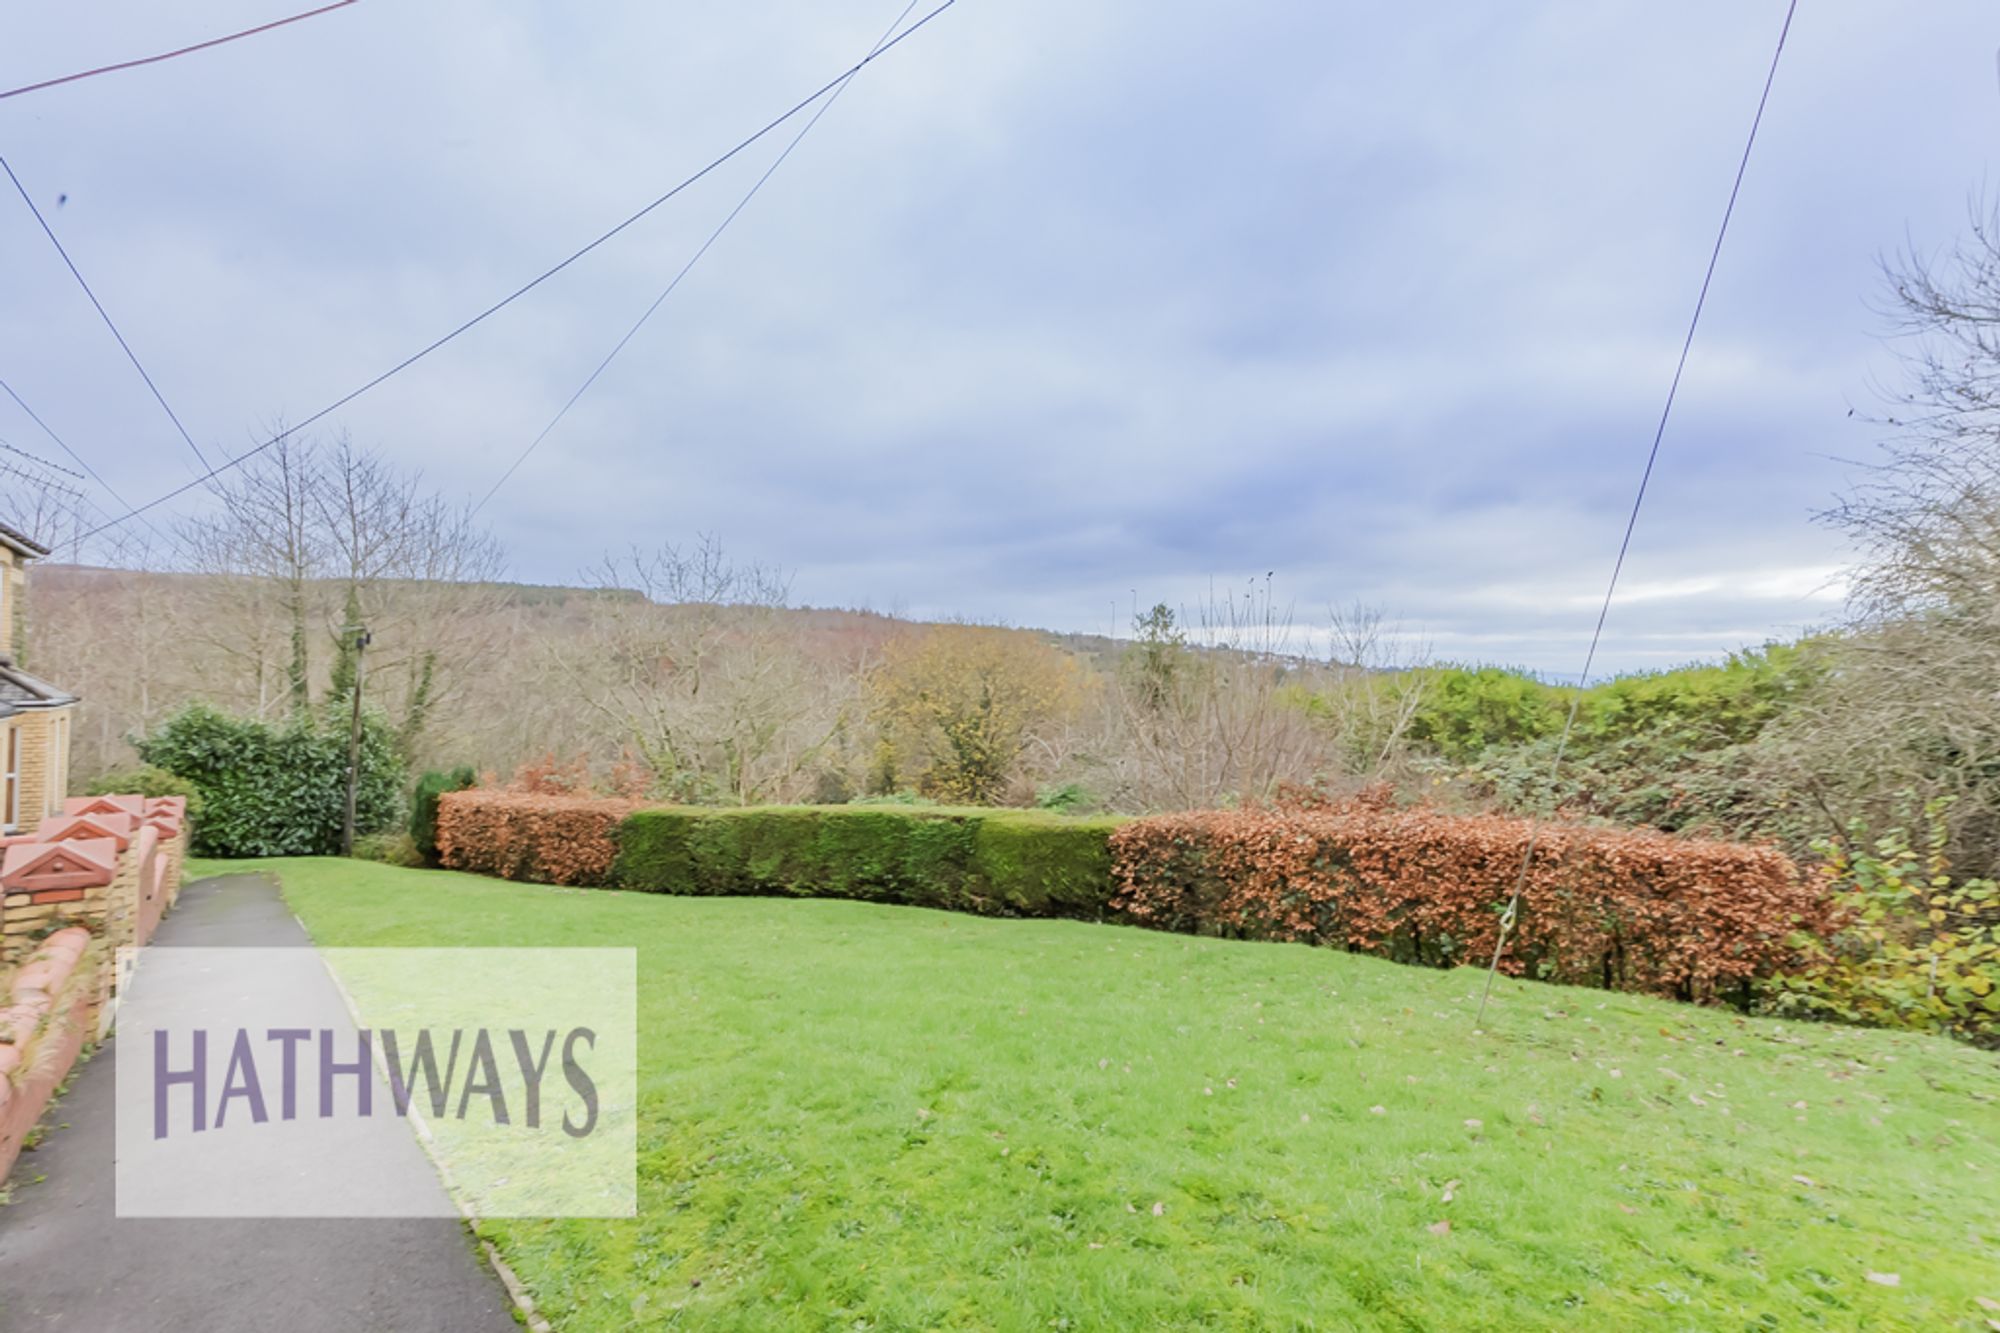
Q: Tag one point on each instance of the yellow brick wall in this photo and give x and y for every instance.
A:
(42, 767)
(13, 582)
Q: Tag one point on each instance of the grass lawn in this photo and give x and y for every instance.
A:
(865, 1117)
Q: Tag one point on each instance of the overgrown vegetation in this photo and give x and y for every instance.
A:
(1916, 947)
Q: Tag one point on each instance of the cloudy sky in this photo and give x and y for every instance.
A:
(1059, 305)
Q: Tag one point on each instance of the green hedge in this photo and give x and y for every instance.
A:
(424, 807)
(1001, 862)
(276, 789)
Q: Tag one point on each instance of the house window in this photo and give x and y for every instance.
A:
(13, 790)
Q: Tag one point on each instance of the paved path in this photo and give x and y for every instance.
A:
(67, 1265)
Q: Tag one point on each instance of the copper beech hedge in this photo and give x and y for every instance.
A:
(517, 835)
(1626, 910)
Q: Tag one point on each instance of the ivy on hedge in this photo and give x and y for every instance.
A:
(424, 806)
(275, 790)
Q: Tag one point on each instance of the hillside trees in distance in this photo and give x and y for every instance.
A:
(701, 676)
(972, 714)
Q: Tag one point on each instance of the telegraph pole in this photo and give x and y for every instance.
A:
(353, 742)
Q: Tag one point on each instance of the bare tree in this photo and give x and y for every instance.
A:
(264, 546)
(1908, 707)
(1377, 688)
(324, 532)
(1210, 708)
(689, 662)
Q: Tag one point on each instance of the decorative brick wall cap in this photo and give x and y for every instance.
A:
(113, 824)
(87, 864)
(134, 806)
(177, 804)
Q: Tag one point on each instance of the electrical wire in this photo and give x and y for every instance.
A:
(169, 55)
(79, 459)
(533, 283)
(688, 267)
(1512, 914)
(102, 313)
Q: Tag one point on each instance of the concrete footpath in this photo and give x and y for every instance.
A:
(68, 1264)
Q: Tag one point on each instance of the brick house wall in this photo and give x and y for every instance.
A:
(13, 583)
(36, 718)
(41, 746)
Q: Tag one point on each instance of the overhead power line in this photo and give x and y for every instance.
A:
(1508, 918)
(169, 55)
(694, 259)
(102, 313)
(535, 282)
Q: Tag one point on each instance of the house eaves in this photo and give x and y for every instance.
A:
(21, 544)
(19, 690)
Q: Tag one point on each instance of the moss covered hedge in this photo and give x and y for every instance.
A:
(1001, 862)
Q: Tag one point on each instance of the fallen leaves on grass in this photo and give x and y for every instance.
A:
(1439, 1228)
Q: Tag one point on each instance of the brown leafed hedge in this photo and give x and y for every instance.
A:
(1626, 910)
(518, 835)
